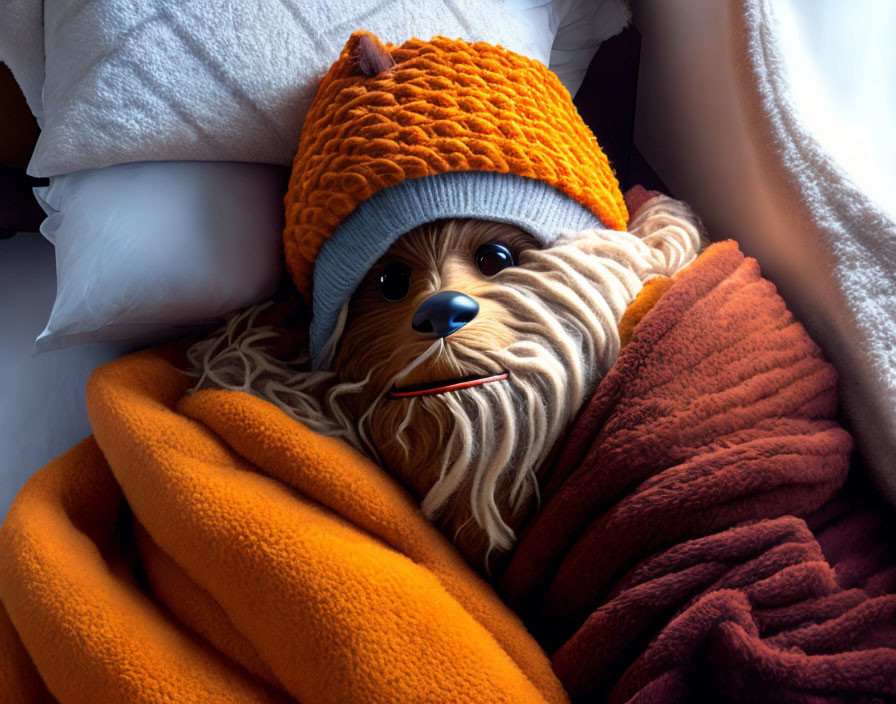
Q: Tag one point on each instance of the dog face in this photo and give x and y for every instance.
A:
(472, 348)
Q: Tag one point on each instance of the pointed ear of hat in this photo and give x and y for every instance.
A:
(363, 55)
(369, 55)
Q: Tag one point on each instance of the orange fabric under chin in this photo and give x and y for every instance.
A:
(207, 548)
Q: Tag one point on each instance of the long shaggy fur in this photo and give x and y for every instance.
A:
(471, 456)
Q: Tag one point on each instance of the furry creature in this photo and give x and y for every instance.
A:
(462, 357)
(457, 321)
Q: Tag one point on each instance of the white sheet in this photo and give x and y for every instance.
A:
(718, 120)
(42, 410)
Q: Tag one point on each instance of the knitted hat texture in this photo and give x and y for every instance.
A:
(400, 136)
(444, 106)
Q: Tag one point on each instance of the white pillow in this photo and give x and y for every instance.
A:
(148, 250)
(569, 32)
(140, 253)
(220, 80)
(229, 80)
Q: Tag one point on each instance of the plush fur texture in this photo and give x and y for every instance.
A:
(471, 456)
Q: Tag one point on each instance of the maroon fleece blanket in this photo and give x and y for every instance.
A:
(688, 548)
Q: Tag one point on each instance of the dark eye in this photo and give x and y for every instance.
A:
(492, 258)
(394, 281)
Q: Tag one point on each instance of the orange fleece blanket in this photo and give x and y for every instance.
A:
(207, 548)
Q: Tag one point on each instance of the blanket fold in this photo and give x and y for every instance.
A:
(669, 561)
(263, 563)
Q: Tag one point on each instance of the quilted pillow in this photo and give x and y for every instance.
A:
(229, 80)
(141, 250)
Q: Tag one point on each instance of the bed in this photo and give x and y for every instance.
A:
(776, 566)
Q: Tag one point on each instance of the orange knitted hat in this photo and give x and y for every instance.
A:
(384, 116)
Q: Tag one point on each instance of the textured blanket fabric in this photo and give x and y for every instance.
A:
(206, 548)
(691, 546)
(733, 135)
(853, 305)
(668, 562)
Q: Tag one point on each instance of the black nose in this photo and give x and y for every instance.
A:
(444, 313)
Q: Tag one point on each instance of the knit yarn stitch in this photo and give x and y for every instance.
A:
(445, 106)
